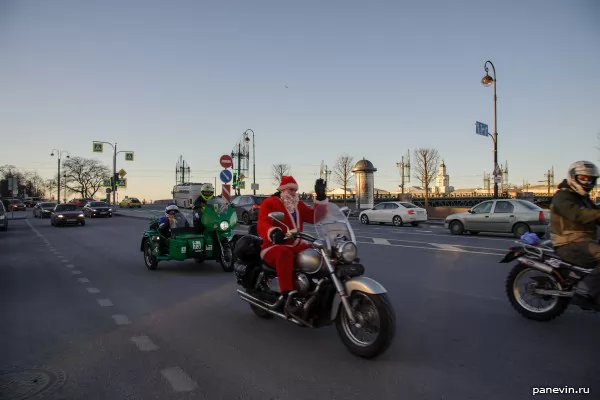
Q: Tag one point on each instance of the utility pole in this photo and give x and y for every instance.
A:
(404, 171)
(180, 170)
(550, 179)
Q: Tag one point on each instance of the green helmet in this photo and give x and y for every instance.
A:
(207, 191)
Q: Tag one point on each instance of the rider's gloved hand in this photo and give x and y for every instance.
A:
(320, 186)
(277, 236)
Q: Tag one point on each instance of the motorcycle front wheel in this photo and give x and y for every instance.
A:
(520, 292)
(377, 324)
(226, 257)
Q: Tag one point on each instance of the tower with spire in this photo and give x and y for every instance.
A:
(442, 181)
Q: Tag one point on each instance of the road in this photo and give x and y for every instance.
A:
(82, 311)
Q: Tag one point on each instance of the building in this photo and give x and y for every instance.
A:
(442, 181)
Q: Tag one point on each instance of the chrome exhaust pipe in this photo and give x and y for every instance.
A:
(264, 306)
(535, 264)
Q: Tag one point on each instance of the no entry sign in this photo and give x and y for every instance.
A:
(226, 161)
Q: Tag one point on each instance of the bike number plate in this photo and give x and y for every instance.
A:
(196, 245)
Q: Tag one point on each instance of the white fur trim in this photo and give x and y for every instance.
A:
(288, 186)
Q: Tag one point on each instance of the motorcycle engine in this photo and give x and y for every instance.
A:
(301, 283)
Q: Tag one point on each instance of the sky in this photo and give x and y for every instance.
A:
(312, 79)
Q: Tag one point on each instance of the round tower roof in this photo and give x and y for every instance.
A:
(364, 166)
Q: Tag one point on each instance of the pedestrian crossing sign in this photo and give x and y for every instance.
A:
(129, 156)
(98, 147)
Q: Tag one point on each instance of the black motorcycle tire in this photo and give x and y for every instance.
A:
(149, 258)
(227, 267)
(387, 331)
(545, 316)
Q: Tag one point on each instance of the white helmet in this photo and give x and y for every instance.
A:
(171, 209)
(580, 169)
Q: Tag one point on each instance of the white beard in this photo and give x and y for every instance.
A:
(290, 202)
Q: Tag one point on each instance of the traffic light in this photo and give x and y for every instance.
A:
(234, 183)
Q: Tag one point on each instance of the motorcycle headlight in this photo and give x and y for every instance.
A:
(347, 251)
(224, 225)
(61, 216)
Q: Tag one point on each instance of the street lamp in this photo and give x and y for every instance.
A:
(253, 162)
(59, 155)
(487, 81)
(114, 175)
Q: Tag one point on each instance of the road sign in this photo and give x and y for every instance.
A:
(129, 156)
(254, 186)
(108, 190)
(122, 173)
(481, 129)
(106, 183)
(226, 192)
(122, 182)
(242, 177)
(497, 170)
(226, 161)
(242, 185)
(226, 176)
(98, 147)
(496, 179)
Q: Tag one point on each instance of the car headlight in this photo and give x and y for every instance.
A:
(347, 251)
(61, 216)
(110, 210)
(94, 210)
(224, 225)
(80, 215)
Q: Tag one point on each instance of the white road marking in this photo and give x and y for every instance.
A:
(435, 248)
(70, 266)
(105, 302)
(83, 280)
(65, 261)
(76, 272)
(180, 381)
(144, 343)
(423, 231)
(448, 247)
(93, 290)
(60, 256)
(121, 319)
(380, 241)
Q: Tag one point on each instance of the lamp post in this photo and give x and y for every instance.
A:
(114, 175)
(59, 154)
(253, 162)
(487, 80)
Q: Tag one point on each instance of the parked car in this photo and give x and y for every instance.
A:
(130, 202)
(43, 210)
(3, 217)
(247, 207)
(31, 201)
(394, 212)
(500, 216)
(67, 213)
(97, 209)
(17, 205)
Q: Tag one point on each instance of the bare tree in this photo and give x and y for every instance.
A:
(34, 184)
(342, 171)
(280, 170)
(84, 175)
(426, 164)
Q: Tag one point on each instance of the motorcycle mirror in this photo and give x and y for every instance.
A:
(277, 216)
(345, 211)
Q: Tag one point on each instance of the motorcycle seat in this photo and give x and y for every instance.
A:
(266, 268)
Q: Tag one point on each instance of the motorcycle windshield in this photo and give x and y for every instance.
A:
(217, 210)
(332, 225)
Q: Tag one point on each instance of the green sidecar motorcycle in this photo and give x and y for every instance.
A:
(218, 220)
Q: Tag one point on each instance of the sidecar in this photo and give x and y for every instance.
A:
(183, 244)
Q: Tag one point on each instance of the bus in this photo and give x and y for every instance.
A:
(185, 195)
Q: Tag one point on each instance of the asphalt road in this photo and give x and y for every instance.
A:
(80, 302)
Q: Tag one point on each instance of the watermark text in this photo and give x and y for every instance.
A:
(560, 390)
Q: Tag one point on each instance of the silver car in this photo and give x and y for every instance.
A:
(500, 216)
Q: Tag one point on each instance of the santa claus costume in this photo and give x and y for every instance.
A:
(295, 213)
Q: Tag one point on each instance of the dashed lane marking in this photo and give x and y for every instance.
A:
(144, 343)
(105, 302)
(121, 319)
(179, 379)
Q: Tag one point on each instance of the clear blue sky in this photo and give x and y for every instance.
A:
(370, 78)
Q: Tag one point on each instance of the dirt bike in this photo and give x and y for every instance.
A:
(329, 282)
(552, 290)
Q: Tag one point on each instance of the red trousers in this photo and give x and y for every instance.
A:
(282, 258)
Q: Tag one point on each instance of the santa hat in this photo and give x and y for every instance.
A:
(287, 182)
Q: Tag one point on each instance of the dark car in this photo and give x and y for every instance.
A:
(97, 209)
(16, 205)
(43, 210)
(247, 206)
(3, 217)
(67, 213)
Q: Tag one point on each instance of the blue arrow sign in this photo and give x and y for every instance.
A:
(226, 176)
(481, 129)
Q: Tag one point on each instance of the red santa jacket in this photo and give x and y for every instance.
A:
(304, 213)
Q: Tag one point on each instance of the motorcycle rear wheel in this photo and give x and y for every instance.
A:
(381, 312)
(556, 307)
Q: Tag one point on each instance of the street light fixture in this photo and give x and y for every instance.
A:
(253, 160)
(59, 153)
(114, 176)
(487, 81)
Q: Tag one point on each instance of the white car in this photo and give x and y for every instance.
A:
(394, 212)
